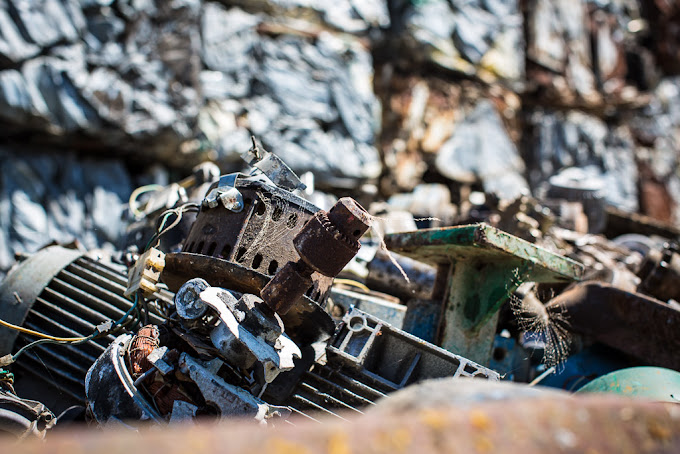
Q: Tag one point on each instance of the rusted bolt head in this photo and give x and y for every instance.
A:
(350, 218)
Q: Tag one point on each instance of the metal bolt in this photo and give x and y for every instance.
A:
(187, 301)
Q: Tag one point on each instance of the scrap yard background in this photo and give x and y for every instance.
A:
(551, 128)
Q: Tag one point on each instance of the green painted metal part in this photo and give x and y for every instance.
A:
(482, 265)
(654, 383)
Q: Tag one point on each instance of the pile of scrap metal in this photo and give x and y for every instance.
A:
(622, 314)
(261, 305)
(232, 324)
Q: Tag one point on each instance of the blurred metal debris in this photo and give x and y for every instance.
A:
(630, 322)
(660, 272)
(546, 419)
(474, 38)
(655, 383)
(480, 149)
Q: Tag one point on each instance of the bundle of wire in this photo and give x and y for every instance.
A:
(49, 339)
(162, 229)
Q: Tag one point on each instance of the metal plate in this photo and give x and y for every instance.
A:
(444, 245)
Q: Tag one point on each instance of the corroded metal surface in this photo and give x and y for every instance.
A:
(326, 243)
(660, 273)
(286, 287)
(258, 237)
(630, 322)
(588, 424)
(441, 246)
(482, 266)
(217, 272)
(655, 383)
(144, 343)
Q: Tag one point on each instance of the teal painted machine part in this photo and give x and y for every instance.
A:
(654, 383)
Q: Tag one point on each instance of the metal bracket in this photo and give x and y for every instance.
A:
(226, 193)
(273, 167)
(478, 266)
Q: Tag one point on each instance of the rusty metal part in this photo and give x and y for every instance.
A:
(142, 345)
(478, 267)
(258, 237)
(620, 222)
(165, 394)
(187, 302)
(291, 282)
(589, 423)
(630, 322)
(217, 272)
(161, 388)
(385, 277)
(660, 273)
(250, 336)
(330, 240)
(326, 243)
(575, 185)
(230, 400)
(305, 323)
(23, 418)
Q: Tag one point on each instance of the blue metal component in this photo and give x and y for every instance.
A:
(422, 318)
(585, 366)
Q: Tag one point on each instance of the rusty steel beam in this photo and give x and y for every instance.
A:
(584, 424)
(635, 324)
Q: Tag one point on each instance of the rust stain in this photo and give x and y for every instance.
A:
(285, 446)
(338, 443)
(479, 420)
(435, 419)
(521, 426)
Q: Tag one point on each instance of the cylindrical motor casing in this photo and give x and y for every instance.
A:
(63, 293)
